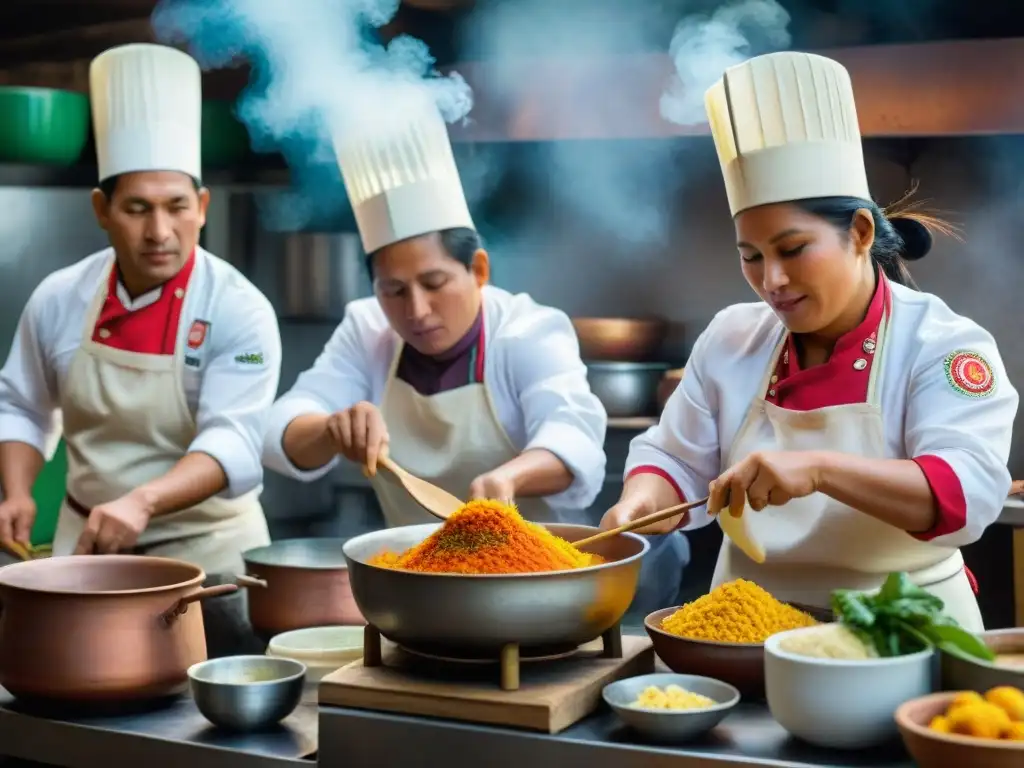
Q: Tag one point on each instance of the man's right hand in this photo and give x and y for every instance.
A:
(633, 506)
(17, 516)
(359, 434)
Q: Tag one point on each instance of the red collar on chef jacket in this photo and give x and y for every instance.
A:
(150, 325)
(843, 380)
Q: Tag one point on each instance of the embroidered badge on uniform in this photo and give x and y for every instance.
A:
(969, 373)
(197, 334)
(250, 358)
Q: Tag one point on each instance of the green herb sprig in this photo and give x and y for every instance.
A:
(902, 618)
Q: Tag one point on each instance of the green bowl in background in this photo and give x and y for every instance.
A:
(42, 125)
(225, 139)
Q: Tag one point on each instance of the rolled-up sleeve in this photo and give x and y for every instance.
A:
(684, 446)
(561, 413)
(28, 391)
(337, 380)
(237, 391)
(960, 412)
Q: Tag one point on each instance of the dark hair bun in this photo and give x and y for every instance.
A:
(917, 240)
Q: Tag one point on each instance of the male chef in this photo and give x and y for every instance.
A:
(161, 358)
(475, 389)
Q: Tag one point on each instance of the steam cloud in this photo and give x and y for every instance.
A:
(703, 47)
(318, 73)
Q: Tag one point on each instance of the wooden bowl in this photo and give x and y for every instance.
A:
(960, 674)
(739, 664)
(943, 750)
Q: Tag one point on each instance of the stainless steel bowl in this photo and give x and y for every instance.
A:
(627, 389)
(475, 615)
(246, 693)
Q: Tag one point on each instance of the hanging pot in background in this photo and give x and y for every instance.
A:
(321, 273)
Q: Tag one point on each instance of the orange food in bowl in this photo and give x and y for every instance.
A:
(999, 714)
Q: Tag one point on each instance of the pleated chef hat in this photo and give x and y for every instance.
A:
(147, 103)
(400, 173)
(785, 127)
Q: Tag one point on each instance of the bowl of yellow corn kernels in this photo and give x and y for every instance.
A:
(965, 728)
(668, 707)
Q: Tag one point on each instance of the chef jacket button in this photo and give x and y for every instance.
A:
(771, 393)
(774, 379)
(868, 345)
(860, 364)
(104, 333)
(179, 293)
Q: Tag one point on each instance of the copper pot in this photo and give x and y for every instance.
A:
(307, 586)
(668, 385)
(101, 628)
(618, 339)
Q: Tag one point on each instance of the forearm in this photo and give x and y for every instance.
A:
(537, 472)
(307, 442)
(193, 480)
(20, 464)
(653, 491)
(894, 491)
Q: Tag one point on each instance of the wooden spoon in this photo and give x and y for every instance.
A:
(640, 522)
(18, 551)
(436, 501)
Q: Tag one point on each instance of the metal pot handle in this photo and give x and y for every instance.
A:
(250, 581)
(168, 617)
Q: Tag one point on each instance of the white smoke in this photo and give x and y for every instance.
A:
(704, 46)
(318, 74)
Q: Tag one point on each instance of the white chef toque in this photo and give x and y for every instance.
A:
(400, 173)
(147, 105)
(785, 127)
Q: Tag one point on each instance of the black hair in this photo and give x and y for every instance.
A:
(109, 185)
(900, 236)
(459, 242)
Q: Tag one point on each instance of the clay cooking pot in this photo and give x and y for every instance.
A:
(101, 627)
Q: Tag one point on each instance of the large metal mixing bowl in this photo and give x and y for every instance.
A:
(476, 615)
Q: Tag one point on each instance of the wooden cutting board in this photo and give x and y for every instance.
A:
(552, 694)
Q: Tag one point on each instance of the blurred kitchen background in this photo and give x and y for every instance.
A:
(587, 198)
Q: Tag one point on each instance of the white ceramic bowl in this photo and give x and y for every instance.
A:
(840, 704)
(671, 725)
(321, 649)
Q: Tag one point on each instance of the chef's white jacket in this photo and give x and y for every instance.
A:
(229, 399)
(532, 369)
(924, 414)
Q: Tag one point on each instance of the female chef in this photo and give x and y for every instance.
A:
(161, 358)
(477, 390)
(865, 423)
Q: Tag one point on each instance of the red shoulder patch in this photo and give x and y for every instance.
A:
(197, 334)
(969, 373)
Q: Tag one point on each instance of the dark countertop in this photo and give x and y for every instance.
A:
(169, 737)
(748, 737)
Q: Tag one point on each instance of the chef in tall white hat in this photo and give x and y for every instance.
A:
(470, 387)
(161, 358)
(846, 424)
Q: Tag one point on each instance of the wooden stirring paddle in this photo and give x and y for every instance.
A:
(436, 501)
(640, 522)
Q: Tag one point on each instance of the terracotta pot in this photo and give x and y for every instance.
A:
(101, 628)
(306, 586)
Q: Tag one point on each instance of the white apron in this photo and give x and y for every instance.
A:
(448, 439)
(127, 422)
(815, 544)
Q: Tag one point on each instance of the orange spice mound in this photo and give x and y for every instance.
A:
(488, 536)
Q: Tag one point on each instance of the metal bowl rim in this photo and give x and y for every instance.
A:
(196, 668)
(621, 366)
(252, 556)
(719, 706)
(645, 547)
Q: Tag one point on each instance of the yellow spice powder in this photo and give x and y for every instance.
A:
(736, 612)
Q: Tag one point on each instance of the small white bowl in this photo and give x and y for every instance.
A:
(838, 703)
(671, 725)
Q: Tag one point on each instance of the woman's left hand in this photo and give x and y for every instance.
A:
(763, 478)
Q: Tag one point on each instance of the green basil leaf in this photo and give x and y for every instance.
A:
(851, 608)
(946, 635)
